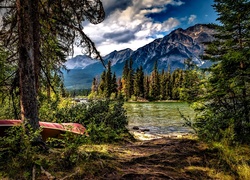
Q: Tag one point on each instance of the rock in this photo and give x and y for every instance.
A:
(143, 130)
(136, 128)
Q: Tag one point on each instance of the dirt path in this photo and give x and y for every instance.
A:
(165, 158)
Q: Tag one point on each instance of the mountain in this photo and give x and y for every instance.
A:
(173, 49)
(170, 52)
(118, 56)
(79, 62)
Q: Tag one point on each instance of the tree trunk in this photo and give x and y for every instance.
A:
(27, 62)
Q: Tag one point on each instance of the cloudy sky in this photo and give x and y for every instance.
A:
(135, 23)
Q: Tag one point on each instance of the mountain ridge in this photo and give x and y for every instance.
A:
(170, 51)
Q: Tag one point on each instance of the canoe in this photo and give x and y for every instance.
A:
(49, 129)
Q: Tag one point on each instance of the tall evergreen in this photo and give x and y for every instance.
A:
(146, 87)
(108, 81)
(155, 82)
(191, 84)
(125, 70)
(139, 82)
(94, 87)
(128, 75)
(102, 84)
(227, 97)
(163, 85)
(131, 78)
(25, 24)
(114, 84)
(168, 85)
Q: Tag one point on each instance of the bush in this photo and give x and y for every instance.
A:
(105, 120)
(17, 154)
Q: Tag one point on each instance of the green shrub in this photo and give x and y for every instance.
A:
(105, 120)
(17, 154)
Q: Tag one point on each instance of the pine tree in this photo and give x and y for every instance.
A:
(139, 83)
(94, 87)
(25, 25)
(108, 81)
(155, 82)
(163, 85)
(119, 89)
(125, 70)
(168, 84)
(114, 85)
(146, 87)
(102, 84)
(131, 78)
(128, 79)
(191, 85)
(227, 97)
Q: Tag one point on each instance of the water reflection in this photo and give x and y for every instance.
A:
(159, 117)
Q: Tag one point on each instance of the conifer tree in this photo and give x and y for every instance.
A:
(155, 82)
(163, 85)
(227, 98)
(125, 70)
(94, 87)
(139, 83)
(128, 79)
(102, 84)
(108, 81)
(119, 88)
(131, 78)
(114, 85)
(168, 85)
(26, 23)
(146, 87)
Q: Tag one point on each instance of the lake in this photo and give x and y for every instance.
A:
(160, 118)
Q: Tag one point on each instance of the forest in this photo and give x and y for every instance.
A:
(36, 36)
(137, 86)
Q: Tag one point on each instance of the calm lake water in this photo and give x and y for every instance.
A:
(160, 118)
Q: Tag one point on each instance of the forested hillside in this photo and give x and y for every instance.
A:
(135, 84)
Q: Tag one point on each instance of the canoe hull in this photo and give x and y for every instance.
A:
(53, 130)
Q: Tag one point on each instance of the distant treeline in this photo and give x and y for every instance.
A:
(136, 85)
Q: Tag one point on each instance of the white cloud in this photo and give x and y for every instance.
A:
(191, 19)
(130, 21)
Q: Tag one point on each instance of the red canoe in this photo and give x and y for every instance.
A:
(48, 129)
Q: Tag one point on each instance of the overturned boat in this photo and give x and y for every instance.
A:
(49, 129)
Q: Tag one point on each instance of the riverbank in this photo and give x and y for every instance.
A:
(163, 158)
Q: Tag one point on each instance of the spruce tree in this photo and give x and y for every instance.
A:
(102, 84)
(155, 82)
(94, 87)
(163, 85)
(108, 81)
(146, 87)
(114, 85)
(226, 101)
(139, 83)
(25, 24)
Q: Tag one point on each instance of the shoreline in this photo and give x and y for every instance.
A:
(142, 136)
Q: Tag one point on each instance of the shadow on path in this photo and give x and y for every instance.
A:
(164, 159)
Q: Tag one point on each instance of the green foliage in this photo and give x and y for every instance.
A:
(104, 120)
(70, 155)
(20, 159)
(224, 105)
(236, 159)
(17, 154)
(136, 85)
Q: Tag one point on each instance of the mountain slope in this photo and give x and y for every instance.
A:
(170, 52)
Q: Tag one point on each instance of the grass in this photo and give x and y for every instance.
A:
(236, 158)
(176, 158)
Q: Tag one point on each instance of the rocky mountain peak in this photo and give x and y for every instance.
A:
(169, 51)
